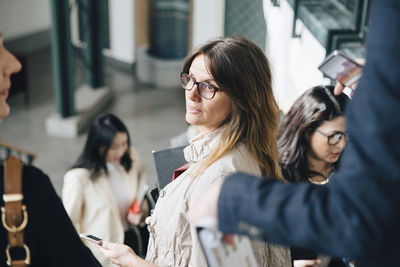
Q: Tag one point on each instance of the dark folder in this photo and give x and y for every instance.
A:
(166, 161)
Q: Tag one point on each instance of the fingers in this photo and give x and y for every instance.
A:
(206, 206)
(228, 239)
(107, 248)
(338, 89)
(117, 253)
(106, 245)
(353, 86)
(361, 61)
(306, 263)
(106, 253)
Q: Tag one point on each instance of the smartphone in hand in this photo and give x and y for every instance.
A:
(341, 68)
(92, 238)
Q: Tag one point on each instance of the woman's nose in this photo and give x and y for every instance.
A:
(193, 94)
(12, 64)
(342, 142)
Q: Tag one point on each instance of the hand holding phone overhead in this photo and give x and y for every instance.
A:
(341, 68)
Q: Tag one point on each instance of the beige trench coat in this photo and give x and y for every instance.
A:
(93, 207)
(173, 240)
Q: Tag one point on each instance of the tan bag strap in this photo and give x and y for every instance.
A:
(14, 215)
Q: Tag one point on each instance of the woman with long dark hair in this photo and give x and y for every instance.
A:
(311, 138)
(103, 183)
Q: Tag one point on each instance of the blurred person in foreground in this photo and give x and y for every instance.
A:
(311, 138)
(357, 214)
(49, 234)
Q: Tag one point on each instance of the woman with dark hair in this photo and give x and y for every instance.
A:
(229, 100)
(311, 138)
(104, 182)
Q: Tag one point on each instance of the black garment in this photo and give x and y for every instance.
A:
(50, 235)
(137, 237)
(357, 214)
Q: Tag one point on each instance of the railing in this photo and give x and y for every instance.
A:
(349, 4)
(7, 150)
(333, 22)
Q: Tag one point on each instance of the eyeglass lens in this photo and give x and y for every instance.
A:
(335, 138)
(204, 89)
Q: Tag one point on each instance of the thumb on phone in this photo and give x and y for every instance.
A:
(306, 263)
(338, 89)
(117, 253)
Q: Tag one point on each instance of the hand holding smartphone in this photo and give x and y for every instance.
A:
(94, 239)
(341, 68)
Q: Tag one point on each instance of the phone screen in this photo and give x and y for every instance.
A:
(92, 238)
(341, 68)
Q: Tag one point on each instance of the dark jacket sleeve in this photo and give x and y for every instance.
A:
(50, 233)
(358, 212)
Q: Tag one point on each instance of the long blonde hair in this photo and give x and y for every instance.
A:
(241, 70)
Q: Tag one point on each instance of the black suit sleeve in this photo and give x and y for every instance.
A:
(358, 212)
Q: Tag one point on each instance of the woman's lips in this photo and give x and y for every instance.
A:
(4, 93)
(192, 109)
(335, 155)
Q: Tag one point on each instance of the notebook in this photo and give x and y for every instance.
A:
(166, 161)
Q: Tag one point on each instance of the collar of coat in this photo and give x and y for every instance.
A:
(202, 145)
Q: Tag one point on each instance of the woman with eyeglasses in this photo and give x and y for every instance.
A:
(311, 138)
(229, 100)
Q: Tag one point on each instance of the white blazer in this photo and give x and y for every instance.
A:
(93, 207)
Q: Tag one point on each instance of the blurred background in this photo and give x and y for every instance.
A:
(85, 57)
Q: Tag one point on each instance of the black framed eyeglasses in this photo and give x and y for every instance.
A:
(204, 89)
(334, 138)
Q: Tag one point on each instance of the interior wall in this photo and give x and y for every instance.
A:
(294, 61)
(122, 30)
(14, 14)
(208, 19)
(142, 10)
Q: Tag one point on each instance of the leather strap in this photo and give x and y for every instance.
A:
(14, 214)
